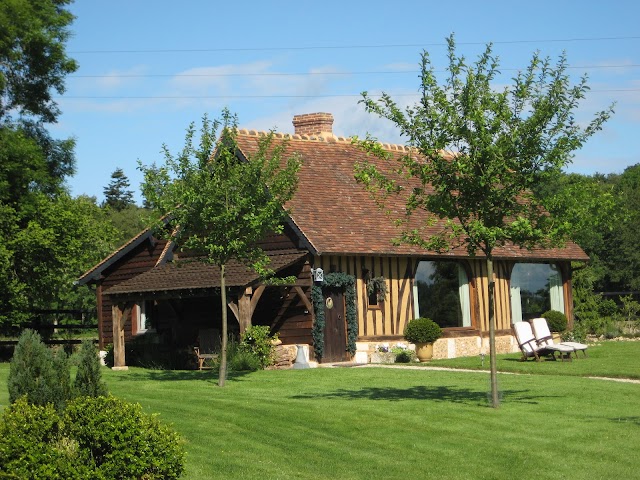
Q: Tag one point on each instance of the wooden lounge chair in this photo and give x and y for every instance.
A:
(544, 337)
(529, 345)
(205, 360)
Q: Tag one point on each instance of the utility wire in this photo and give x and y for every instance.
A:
(209, 97)
(300, 74)
(346, 47)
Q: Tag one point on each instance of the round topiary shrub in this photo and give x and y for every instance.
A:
(422, 330)
(557, 321)
(121, 441)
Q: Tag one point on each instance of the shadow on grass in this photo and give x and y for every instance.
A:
(178, 375)
(635, 420)
(421, 392)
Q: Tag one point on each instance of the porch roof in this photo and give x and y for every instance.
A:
(194, 275)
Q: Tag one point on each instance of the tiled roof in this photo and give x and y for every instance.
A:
(192, 275)
(337, 216)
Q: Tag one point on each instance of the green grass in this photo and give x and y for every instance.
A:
(605, 359)
(364, 423)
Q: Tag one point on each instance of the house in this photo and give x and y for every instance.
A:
(372, 286)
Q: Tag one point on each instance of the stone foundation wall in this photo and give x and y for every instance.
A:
(445, 347)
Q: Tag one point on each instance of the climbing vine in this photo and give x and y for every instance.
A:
(347, 284)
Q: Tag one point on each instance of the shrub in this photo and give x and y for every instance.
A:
(37, 374)
(422, 330)
(121, 441)
(244, 361)
(557, 320)
(33, 446)
(256, 340)
(88, 380)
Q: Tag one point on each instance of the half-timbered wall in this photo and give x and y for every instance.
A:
(389, 318)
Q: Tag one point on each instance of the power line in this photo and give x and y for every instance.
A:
(300, 74)
(346, 47)
(213, 97)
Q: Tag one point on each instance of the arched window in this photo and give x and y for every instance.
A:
(441, 292)
(535, 288)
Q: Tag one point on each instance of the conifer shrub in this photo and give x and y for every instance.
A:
(88, 381)
(38, 374)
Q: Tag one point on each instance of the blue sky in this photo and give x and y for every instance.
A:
(149, 68)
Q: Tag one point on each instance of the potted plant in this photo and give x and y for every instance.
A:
(557, 322)
(423, 332)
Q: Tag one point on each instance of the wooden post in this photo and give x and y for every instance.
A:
(244, 309)
(119, 314)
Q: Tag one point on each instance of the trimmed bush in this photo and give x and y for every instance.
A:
(121, 441)
(88, 380)
(422, 330)
(37, 374)
(557, 321)
(96, 438)
(33, 446)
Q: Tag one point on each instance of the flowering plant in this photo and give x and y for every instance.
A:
(383, 348)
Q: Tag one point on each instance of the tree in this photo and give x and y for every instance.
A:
(478, 154)
(222, 205)
(117, 194)
(32, 57)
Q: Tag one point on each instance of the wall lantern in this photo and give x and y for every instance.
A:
(318, 275)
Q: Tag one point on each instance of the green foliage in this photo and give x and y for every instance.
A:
(32, 445)
(257, 341)
(103, 438)
(557, 321)
(117, 194)
(223, 204)
(506, 140)
(88, 381)
(422, 330)
(347, 284)
(122, 441)
(244, 361)
(128, 222)
(32, 56)
(37, 374)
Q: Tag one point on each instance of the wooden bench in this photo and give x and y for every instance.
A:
(204, 359)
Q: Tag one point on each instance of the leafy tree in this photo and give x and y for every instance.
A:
(223, 205)
(128, 222)
(503, 143)
(117, 193)
(32, 56)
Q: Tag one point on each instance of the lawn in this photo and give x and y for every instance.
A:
(353, 423)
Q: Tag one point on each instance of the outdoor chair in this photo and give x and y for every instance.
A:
(529, 345)
(544, 337)
(208, 345)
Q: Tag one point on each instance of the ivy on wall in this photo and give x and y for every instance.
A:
(348, 285)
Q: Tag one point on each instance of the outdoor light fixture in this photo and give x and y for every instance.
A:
(318, 275)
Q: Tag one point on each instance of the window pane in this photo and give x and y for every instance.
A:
(535, 288)
(442, 291)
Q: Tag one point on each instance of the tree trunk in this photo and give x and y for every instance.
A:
(223, 351)
(495, 401)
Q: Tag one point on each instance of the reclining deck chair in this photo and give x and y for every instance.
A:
(530, 347)
(544, 337)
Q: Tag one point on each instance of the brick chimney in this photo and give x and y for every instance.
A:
(320, 124)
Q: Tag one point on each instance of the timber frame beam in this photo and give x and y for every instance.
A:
(119, 314)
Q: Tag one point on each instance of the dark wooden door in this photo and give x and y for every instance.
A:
(335, 328)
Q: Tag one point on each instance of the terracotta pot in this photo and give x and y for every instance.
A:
(424, 351)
